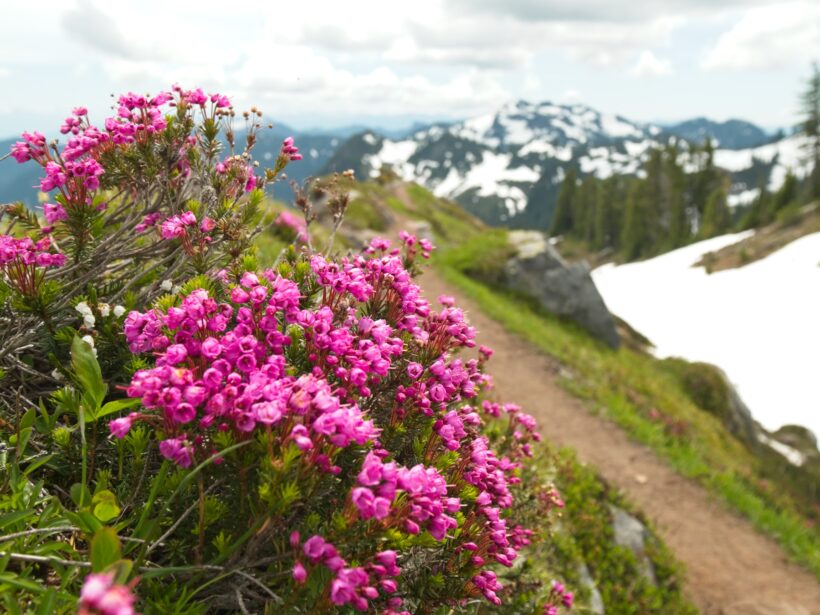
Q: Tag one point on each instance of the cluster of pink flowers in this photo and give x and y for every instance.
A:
(32, 147)
(227, 366)
(25, 251)
(411, 241)
(77, 171)
(559, 596)
(355, 586)
(23, 261)
(101, 595)
(289, 150)
(291, 227)
(427, 502)
(177, 226)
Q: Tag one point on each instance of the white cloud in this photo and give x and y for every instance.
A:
(649, 65)
(594, 10)
(768, 37)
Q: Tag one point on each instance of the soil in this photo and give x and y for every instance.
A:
(731, 569)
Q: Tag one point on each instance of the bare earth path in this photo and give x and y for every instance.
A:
(731, 569)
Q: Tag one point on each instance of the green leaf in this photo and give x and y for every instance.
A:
(47, 603)
(105, 506)
(36, 464)
(87, 370)
(84, 520)
(80, 494)
(13, 517)
(25, 434)
(21, 583)
(116, 406)
(105, 549)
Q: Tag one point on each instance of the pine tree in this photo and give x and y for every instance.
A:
(759, 213)
(716, 215)
(810, 109)
(563, 218)
(633, 234)
(680, 228)
(787, 195)
(706, 179)
(588, 196)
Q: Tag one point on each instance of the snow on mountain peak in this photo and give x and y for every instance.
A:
(502, 165)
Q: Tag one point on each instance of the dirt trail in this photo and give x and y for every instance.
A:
(731, 569)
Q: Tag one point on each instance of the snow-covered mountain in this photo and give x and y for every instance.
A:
(731, 134)
(506, 167)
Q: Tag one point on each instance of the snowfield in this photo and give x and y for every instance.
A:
(759, 323)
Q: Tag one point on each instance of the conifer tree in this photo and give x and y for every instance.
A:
(787, 195)
(716, 215)
(634, 235)
(679, 225)
(810, 109)
(563, 218)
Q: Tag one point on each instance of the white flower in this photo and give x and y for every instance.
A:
(119, 310)
(104, 309)
(176, 290)
(88, 340)
(166, 285)
(82, 308)
(89, 320)
(56, 374)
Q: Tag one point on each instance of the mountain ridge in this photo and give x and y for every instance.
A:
(506, 166)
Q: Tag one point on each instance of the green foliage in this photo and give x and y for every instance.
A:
(481, 256)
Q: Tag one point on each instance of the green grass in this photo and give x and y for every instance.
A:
(626, 386)
(588, 536)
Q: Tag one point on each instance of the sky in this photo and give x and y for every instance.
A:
(320, 64)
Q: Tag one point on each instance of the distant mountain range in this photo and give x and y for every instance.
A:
(731, 134)
(505, 167)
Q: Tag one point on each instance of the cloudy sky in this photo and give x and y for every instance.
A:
(317, 63)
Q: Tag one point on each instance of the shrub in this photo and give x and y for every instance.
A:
(186, 432)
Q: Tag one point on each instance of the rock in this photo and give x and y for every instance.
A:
(739, 418)
(798, 438)
(632, 534)
(596, 602)
(565, 289)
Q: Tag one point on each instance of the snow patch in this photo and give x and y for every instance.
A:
(793, 456)
(758, 323)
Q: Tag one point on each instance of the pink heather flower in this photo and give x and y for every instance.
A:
(414, 370)
(207, 225)
(148, 221)
(177, 450)
(188, 218)
(567, 600)
(299, 573)
(220, 100)
(172, 227)
(54, 213)
(314, 547)
(100, 595)
(120, 427)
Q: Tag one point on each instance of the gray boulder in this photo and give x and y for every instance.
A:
(565, 289)
(632, 534)
(739, 421)
(596, 602)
